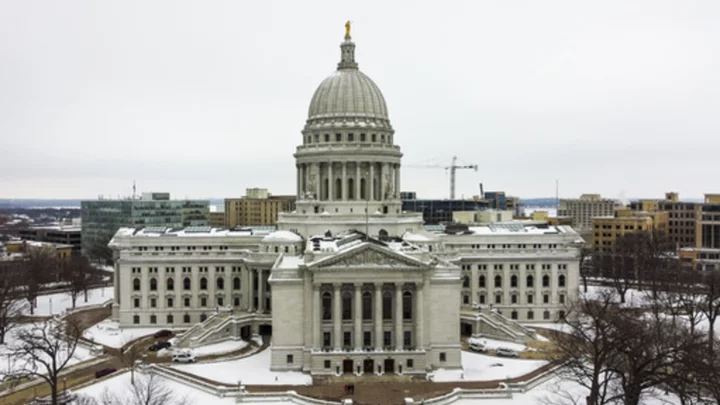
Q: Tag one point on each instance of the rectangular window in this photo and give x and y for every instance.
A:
(498, 299)
(136, 302)
(530, 299)
(170, 302)
(347, 339)
(289, 359)
(410, 363)
(338, 137)
(562, 298)
(367, 339)
(387, 338)
(326, 339)
(482, 299)
(203, 302)
(136, 319)
(530, 315)
(351, 137)
(186, 302)
(362, 137)
(546, 299)
(407, 338)
(326, 364)
(153, 303)
(220, 301)
(443, 356)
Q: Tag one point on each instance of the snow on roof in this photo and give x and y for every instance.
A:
(282, 236)
(418, 237)
(202, 231)
(290, 262)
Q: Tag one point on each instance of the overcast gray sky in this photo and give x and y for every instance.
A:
(206, 98)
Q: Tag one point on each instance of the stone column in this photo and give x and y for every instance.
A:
(317, 317)
(377, 319)
(261, 290)
(372, 181)
(337, 317)
(358, 316)
(474, 284)
(398, 317)
(419, 316)
(298, 189)
(330, 181)
(383, 183)
(357, 181)
(397, 180)
(250, 289)
(344, 196)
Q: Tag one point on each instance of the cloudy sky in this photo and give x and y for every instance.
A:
(204, 99)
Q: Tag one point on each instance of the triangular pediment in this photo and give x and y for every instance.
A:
(369, 255)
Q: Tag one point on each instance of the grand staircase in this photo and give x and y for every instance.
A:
(492, 324)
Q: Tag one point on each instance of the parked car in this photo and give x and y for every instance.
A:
(159, 346)
(104, 371)
(183, 357)
(477, 347)
(505, 352)
(164, 333)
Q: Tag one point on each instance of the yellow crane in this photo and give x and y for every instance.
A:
(452, 168)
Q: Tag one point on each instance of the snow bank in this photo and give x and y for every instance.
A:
(480, 367)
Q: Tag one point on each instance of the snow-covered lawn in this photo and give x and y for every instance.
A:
(120, 386)
(110, 334)
(219, 348)
(493, 344)
(10, 363)
(252, 370)
(57, 303)
(480, 367)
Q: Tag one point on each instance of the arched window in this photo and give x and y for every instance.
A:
(326, 306)
(513, 281)
(351, 189)
(530, 281)
(338, 189)
(367, 306)
(236, 283)
(186, 283)
(287, 249)
(220, 282)
(170, 284)
(561, 280)
(136, 284)
(546, 281)
(387, 305)
(277, 249)
(407, 305)
(153, 284)
(498, 281)
(466, 282)
(481, 282)
(363, 189)
(203, 283)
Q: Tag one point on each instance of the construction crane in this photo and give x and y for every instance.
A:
(452, 168)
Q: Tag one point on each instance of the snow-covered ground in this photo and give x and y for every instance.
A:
(492, 344)
(120, 386)
(57, 303)
(252, 370)
(110, 334)
(10, 363)
(219, 348)
(480, 367)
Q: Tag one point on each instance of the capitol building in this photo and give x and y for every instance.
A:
(348, 282)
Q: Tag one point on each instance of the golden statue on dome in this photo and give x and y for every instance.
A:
(347, 29)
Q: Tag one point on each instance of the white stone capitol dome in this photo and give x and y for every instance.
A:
(348, 93)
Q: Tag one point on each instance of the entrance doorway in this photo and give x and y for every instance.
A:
(389, 366)
(347, 366)
(368, 366)
(465, 329)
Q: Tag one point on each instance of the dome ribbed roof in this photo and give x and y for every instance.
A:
(348, 93)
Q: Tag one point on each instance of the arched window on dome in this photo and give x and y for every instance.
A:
(338, 189)
(363, 189)
(351, 189)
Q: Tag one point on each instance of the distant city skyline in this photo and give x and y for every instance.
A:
(617, 98)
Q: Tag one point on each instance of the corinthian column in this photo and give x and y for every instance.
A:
(330, 181)
(372, 182)
(358, 316)
(317, 317)
(337, 317)
(344, 196)
(419, 316)
(377, 319)
(357, 181)
(398, 317)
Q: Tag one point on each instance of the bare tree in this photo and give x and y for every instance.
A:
(709, 304)
(148, 390)
(586, 347)
(44, 350)
(616, 266)
(11, 304)
(79, 273)
(40, 264)
(130, 357)
(586, 266)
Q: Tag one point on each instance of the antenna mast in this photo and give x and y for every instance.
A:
(133, 195)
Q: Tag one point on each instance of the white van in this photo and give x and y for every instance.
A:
(183, 357)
